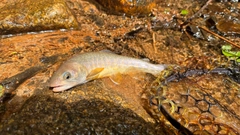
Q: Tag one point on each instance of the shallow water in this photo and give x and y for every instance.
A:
(101, 106)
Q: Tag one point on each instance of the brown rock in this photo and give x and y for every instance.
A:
(30, 15)
(134, 7)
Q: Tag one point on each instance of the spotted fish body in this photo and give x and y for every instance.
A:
(93, 65)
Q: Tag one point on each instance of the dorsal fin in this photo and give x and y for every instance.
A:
(146, 59)
(106, 51)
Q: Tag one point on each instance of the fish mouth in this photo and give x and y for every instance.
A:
(57, 88)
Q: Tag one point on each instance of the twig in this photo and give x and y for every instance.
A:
(199, 11)
(154, 42)
(207, 30)
(196, 14)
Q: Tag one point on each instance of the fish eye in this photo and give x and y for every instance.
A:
(66, 75)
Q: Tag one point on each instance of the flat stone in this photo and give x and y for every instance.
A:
(32, 16)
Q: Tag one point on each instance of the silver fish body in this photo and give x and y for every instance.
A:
(88, 66)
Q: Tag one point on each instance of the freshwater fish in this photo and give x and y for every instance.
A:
(93, 65)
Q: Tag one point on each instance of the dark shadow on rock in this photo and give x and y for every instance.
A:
(43, 114)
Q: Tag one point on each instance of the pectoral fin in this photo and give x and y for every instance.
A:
(117, 78)
(94, 74)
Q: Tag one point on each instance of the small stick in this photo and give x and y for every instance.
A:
(154, 42)
(199, 11)
(196, 14)
(204, 28)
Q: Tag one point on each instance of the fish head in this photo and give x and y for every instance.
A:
(67, 76)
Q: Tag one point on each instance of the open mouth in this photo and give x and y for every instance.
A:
(57, 88)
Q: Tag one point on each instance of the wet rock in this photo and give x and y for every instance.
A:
(227, 22)
(84, 117)
(211, 102)
(30, 15)
(228, 27)
(84, 110)
(129, 7)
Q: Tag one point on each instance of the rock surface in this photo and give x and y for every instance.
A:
(32, 16)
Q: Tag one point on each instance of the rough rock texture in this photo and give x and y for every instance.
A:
(32, 16)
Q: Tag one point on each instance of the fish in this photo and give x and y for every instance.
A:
(89, 66)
